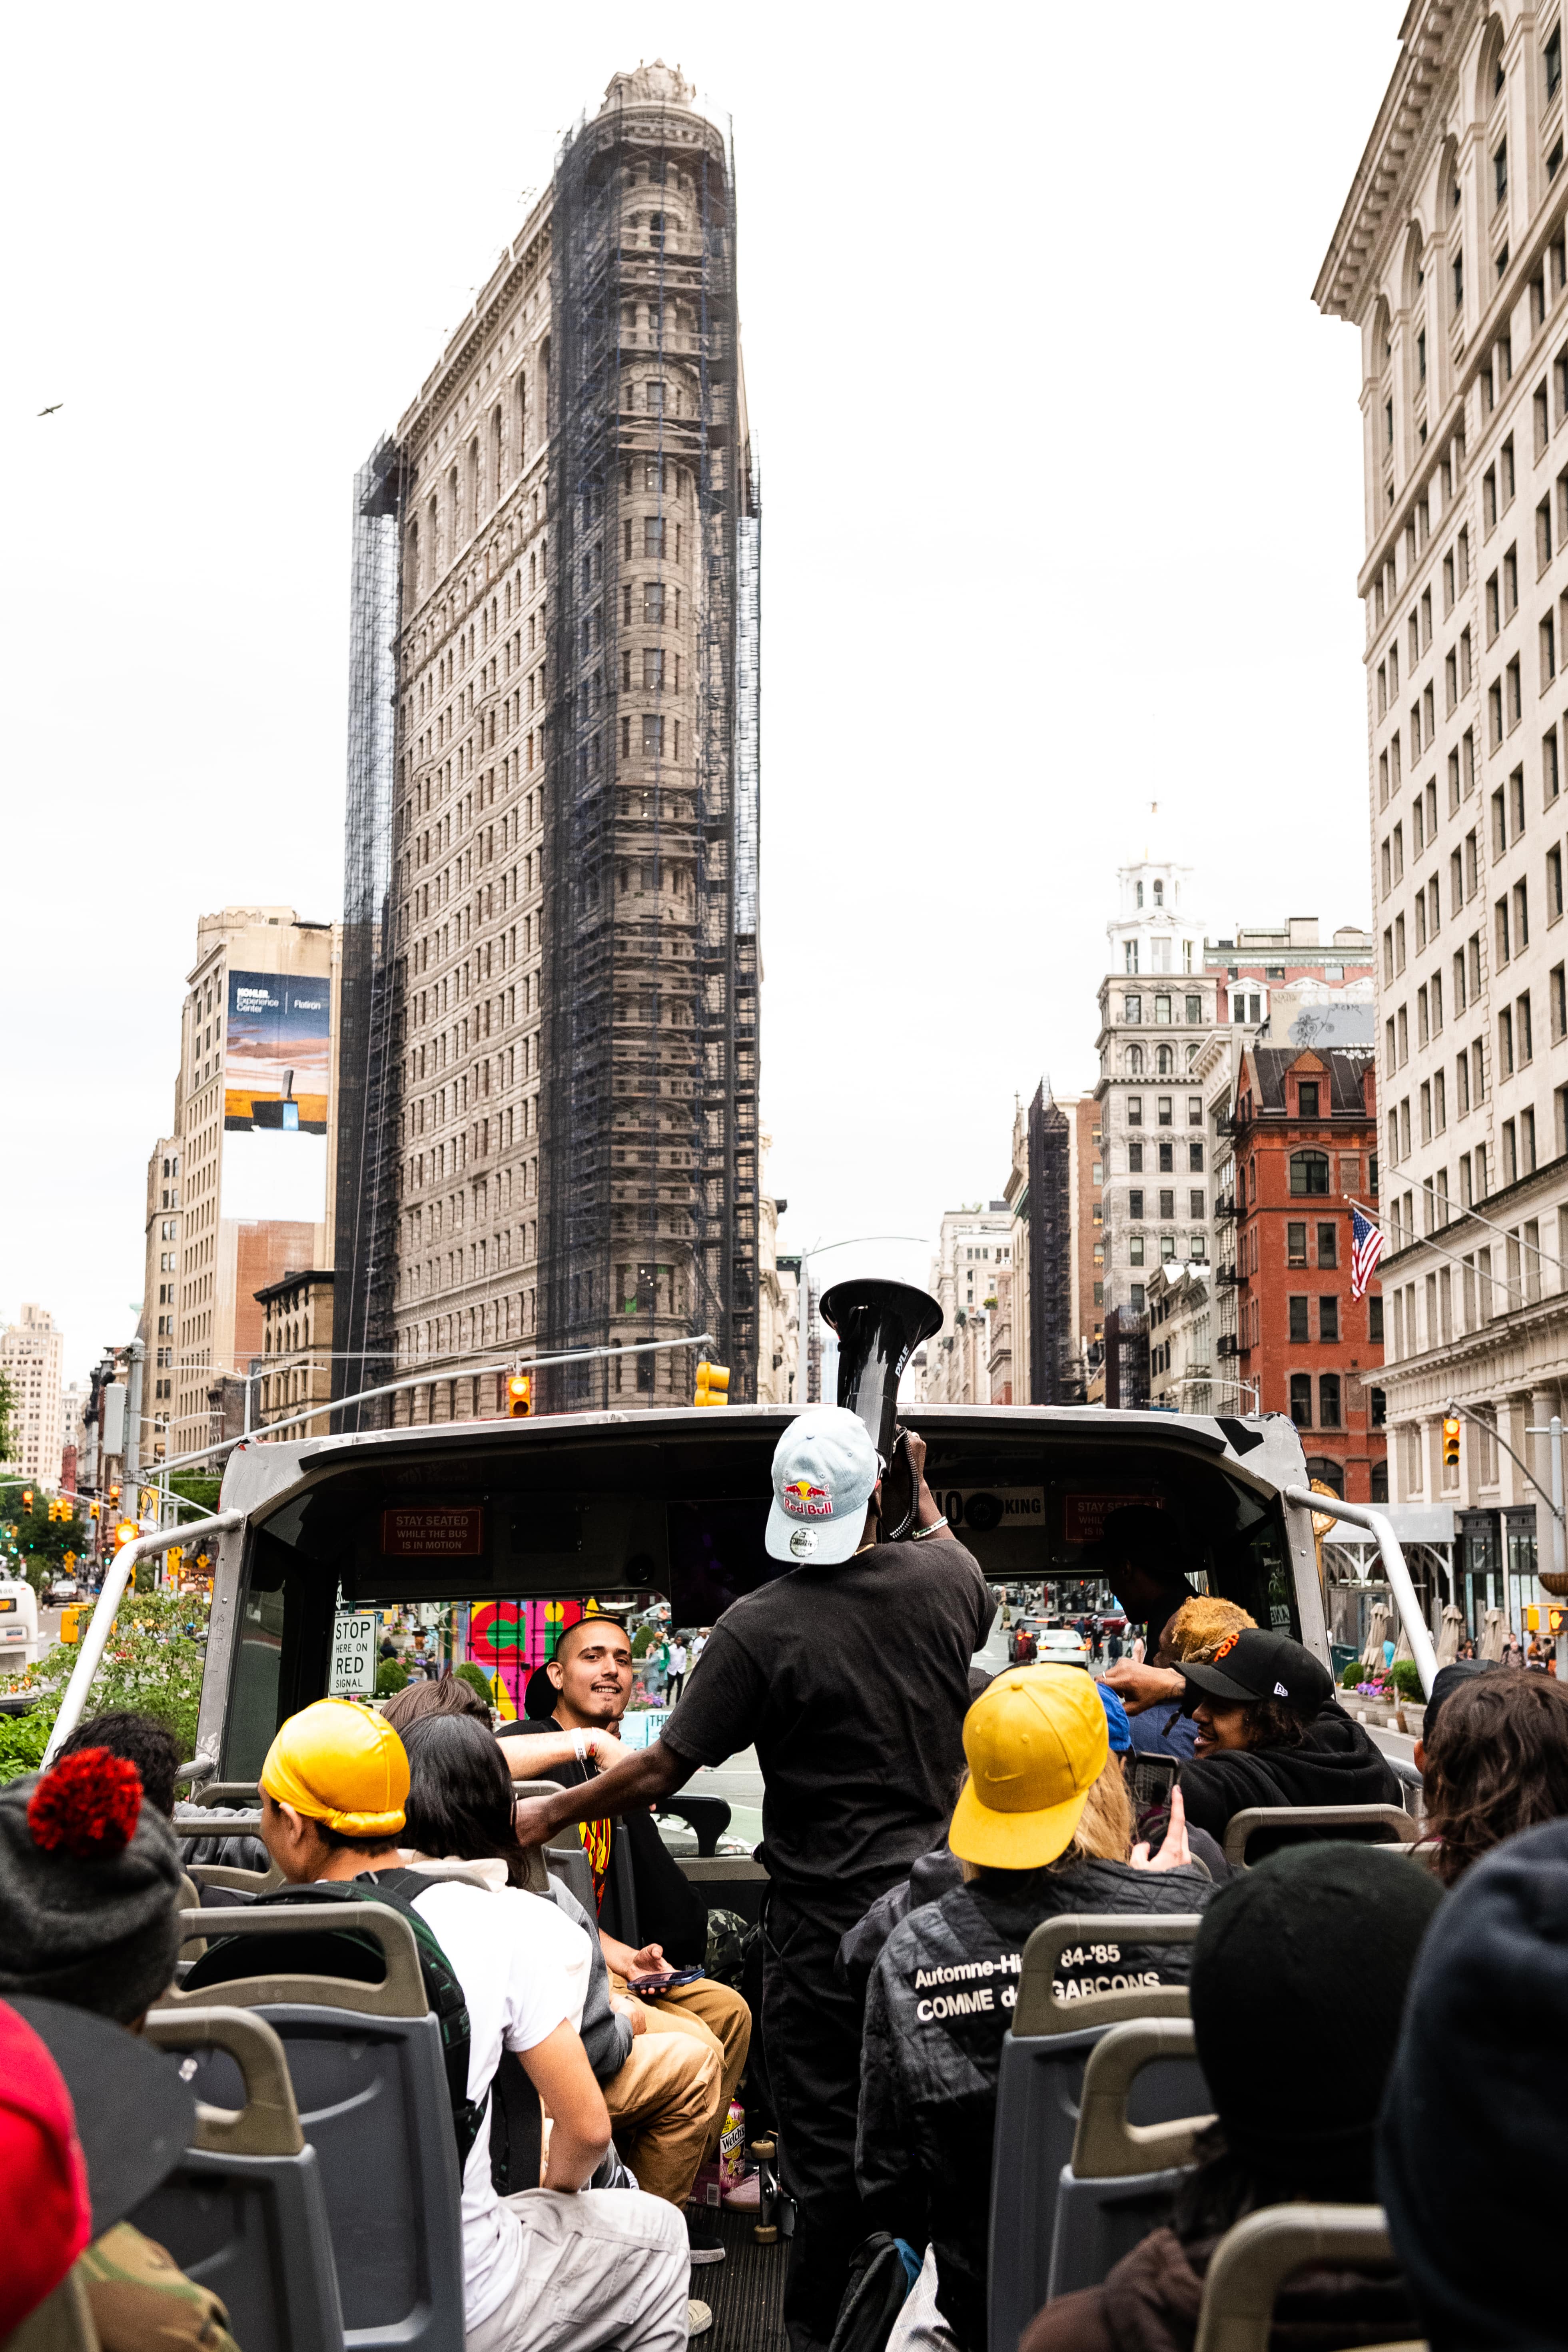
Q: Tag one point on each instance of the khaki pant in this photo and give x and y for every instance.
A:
(602, 2269)
(668, 2102)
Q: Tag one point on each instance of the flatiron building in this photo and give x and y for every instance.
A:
(548, 1072)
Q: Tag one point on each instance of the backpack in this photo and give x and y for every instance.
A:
(352, 1953)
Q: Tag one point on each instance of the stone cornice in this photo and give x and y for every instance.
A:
(1401, 119)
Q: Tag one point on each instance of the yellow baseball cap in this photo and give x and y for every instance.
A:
(1036, 1742)
(341, 1763)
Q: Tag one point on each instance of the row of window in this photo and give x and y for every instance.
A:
(1164, 1110)
(1193, 1012)
(1196, 1251)
(1330, 1414)
(1166, 1161)
(1167, 1200)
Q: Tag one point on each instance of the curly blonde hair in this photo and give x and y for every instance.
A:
(1200, 1625)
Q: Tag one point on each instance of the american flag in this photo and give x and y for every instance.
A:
(1366, 1248)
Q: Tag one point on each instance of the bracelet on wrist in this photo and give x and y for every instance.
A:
(935, 1528)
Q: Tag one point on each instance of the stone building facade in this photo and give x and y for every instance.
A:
(248, 1189)
(32, 1358)
(1450, 260)
(551, 1050)
(1157, 1004)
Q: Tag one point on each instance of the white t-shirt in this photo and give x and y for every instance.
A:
(524, 1967)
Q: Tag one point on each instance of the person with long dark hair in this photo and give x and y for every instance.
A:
(1494, 1761)
(662, 2090)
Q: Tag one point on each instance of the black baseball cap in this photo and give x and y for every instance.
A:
(134, 2116)
(1254, 1664)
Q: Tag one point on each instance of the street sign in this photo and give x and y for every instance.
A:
(354, 1655)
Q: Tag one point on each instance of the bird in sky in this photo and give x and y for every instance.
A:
(49, 412)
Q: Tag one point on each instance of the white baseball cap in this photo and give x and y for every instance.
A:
(824, 1467)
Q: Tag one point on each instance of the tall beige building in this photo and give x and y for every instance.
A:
(1449, 259)
(160, 1296)
(32, 1358)
(550, 1064)
(238, 1194)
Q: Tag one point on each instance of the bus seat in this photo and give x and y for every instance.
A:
(1122, 2175)
(571, 1865)
(1253, 2260)
(62, 2323)
(370, 2084)
(709, 1817)
(223, 1878)
(1037, 2099)
(243, 2213)
(1365, 1824)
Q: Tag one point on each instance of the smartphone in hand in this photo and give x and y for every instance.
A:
(649, 1988)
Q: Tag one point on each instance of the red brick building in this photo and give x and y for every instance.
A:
(1306, 1146)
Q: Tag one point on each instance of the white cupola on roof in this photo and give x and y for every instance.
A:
(1155, 929)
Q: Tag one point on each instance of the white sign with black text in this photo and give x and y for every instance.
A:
(354, 1655)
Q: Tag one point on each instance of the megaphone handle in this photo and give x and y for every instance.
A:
(899, 1534)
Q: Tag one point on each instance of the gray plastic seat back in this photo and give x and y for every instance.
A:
(1123, 2173)
(1253, 2260)
(1271, 1826)
(244, 2211)
(571, 1865)
(1038, 2097)
(366, 2061)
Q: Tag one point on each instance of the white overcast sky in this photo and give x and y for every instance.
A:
(1062, 514)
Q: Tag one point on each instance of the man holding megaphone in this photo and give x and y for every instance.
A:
(849, 1674)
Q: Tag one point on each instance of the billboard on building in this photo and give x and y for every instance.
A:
(275, 1077)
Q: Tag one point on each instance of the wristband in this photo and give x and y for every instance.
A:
(921, 1534)
(580, 1746)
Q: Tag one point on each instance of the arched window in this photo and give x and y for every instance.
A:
(1164, 1061)
(1332, 1474)
(1309, 1173)
(1134, 1061)
(495, 453)
(476, 492)
(1159, 894)
(521, 418)
(1140, 893)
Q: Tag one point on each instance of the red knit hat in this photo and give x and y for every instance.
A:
(42, 2166)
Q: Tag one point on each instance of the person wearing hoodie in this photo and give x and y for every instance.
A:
(1270, 1733)
(1041, 1829)
(1471, 2146)
(1299, 1978)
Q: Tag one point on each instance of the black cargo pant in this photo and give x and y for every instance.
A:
(811, 2032)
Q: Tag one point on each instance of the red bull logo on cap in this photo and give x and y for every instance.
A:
(804, 1499)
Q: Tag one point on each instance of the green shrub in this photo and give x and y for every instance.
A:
(153, 1664)
(1354, 1673)
(391, 1676)
(468, 1673)
(1406, 1680)
(23, 1739)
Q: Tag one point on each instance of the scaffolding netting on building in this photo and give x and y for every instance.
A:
(649, 1159)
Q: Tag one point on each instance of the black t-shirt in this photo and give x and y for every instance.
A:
(853, 1683)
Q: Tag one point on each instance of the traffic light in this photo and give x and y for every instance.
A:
(126, 1532)
(26, 1498)
(149, 1501)
(94, 1507)
(114, 1492)
(519, 1396)
(174, 1556)
(1451, 1440)
(712, 1384)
